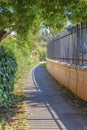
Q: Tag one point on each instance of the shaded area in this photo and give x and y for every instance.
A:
(50, 109)
(11, 103)
(13, 117)
(8, 67)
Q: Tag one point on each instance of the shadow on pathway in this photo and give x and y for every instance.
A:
(50, 111)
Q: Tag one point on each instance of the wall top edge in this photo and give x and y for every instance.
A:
(68, 65)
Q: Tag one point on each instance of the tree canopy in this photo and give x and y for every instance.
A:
(26, 15)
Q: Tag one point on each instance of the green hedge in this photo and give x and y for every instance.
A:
(8, 67)
(14, 59)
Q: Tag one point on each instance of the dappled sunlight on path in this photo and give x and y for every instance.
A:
(49, 110)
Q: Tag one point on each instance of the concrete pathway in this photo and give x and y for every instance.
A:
(50, 111)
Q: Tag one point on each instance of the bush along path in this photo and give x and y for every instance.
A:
(53, 107)
(14, 69)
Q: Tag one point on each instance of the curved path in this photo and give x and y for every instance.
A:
(50, 111)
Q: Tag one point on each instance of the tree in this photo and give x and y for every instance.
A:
(25, 15)
(75, 10)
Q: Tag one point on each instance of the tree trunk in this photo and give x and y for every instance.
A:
(5, 33)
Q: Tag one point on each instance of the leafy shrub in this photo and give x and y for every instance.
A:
(8, 67)
(14, 64)
(15, 61)
(42, 56)
(42, 53)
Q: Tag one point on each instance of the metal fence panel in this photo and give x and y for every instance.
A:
(70, 46)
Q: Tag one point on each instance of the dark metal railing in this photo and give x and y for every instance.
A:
(70, 46)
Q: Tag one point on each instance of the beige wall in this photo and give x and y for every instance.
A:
(71, 76)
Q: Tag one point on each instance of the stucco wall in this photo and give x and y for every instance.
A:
(71, 76)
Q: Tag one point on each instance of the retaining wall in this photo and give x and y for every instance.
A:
(71, 76)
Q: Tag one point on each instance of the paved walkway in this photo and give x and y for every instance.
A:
(50, 111)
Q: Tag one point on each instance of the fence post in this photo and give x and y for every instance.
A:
(77, 61)
(82, 42)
